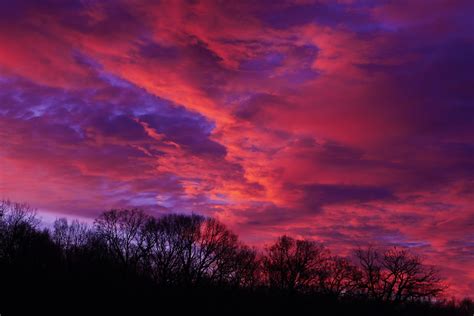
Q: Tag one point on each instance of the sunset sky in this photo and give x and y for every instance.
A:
(348, 122)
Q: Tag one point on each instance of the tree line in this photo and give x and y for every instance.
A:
(128, 255)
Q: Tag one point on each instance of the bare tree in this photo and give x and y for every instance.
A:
(291, 264)
(192, 249)
(70, 237)
(122, 231)
(217, 248)
(245, 270)
(405, 277)
(18, 223)
(369, 262)
(170, 240)
(186, 230)
(340, 277)
(14, 214)
(397, 275)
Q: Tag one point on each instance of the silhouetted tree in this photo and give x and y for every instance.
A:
(245, 270)
(291, 264)
(122, 232)
(69, 237)
(369, 262)
(28, 258)
(339, 277)
(397, 275)
(171, 242)
(18, 223)
(130, 259)
(193, 249)
(466, 306)
(216, 252)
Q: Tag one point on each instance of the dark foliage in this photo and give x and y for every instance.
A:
(130, 261)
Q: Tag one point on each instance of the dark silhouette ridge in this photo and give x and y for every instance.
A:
(188, 263)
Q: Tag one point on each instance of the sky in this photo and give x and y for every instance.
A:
(347, 122)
